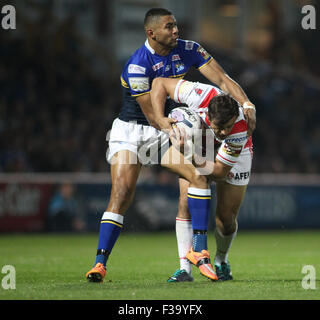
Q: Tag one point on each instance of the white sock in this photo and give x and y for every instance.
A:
(223, 245)
(184, 235)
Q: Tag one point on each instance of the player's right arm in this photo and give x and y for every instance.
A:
(146, 107)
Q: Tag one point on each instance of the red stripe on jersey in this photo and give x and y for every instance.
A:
(212, 93)
(226, 159)
(240, 126)
(207, 120)
(249, 143)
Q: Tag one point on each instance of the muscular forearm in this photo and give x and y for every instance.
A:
(215, 73)
(146, 107)
(158, 96)
(233, 88)
(161, 89)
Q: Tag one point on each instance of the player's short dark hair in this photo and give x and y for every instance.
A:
(155, 13)
(222, 108)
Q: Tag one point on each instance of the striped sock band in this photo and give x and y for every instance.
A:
(110, 228)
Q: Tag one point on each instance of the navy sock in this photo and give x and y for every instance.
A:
(199, 240)
(199, 206)
(110, 228)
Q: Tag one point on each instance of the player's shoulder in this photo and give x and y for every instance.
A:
(240, 126)
(138, 61)
(187, 45)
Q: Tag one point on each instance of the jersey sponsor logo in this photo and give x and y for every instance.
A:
(236, 140)
(179, 67)
(134, 68)
(203, 53)
(175, 57)
(139, 83)
(157, 66)
(239, 175)
(189, 45)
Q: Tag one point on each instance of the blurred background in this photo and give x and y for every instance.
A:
(60, 91)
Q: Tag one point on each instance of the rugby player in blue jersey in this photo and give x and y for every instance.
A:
(162, 55)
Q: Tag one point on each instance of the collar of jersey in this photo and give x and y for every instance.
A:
(152, 50)
(149, 47)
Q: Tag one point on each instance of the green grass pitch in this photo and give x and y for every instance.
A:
(265, 265)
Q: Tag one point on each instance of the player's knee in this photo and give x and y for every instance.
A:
(226, 223)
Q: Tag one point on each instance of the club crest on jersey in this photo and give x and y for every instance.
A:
(198, 91)
(231, 150)
(179, 67)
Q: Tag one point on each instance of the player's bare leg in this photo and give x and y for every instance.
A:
(124, 174)
(229, 200)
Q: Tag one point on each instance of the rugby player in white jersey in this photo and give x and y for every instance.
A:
(162, 55)
(234, 155)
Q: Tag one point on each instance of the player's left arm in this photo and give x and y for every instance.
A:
(215, 73)
(161, 89)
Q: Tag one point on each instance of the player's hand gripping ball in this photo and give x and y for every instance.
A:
(189, 124)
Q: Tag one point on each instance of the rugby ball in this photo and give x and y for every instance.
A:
(191, 122)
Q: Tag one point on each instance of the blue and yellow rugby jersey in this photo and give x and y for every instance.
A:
(145, 65)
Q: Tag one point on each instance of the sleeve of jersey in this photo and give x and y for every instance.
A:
(138, 79)
(231, 148)
(228, 153)
(200, 56)
(194, 94)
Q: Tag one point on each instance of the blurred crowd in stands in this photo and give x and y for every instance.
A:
(55, 109)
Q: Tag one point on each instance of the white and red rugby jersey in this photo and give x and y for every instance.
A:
(197, 96)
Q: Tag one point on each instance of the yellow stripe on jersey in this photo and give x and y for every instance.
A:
(178, 76)
(140, 94)
(123, 83)
(205, 63)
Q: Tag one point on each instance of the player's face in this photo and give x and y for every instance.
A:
(222, 132)
(166, 32)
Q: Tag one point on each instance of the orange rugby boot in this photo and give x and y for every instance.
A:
(97, 273)
(202, 261)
